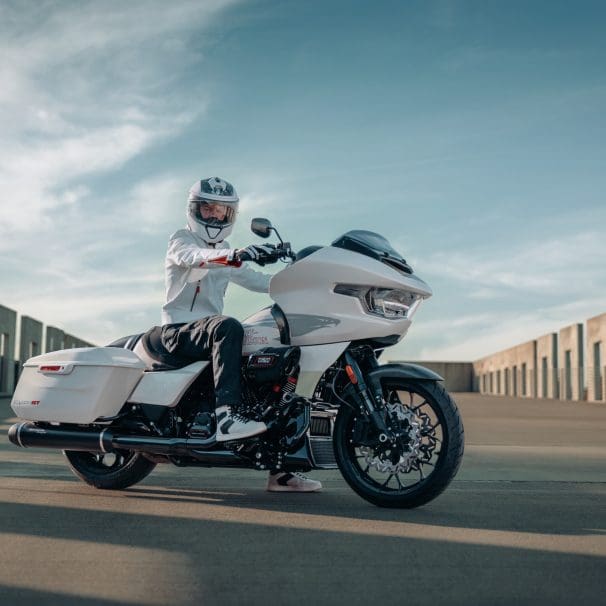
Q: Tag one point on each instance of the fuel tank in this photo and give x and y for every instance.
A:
(260, 330)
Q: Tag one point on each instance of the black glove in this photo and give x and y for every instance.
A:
(259, 253)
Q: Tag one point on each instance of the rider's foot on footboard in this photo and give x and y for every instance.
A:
(231, 426)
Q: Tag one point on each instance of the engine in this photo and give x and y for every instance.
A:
(269, 382)
(270, 377)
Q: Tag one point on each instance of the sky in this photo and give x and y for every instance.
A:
(470, 134)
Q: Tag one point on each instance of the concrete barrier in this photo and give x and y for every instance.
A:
(33, 340)
(8, 337)
(596, 364)
(570, 356)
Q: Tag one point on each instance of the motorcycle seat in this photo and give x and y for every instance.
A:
(136, 344)
(126, 342)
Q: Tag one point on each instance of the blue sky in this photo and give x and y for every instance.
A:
(470, 134)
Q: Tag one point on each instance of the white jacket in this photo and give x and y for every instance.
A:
(197, 278)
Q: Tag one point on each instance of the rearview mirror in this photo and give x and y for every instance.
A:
(261, 227)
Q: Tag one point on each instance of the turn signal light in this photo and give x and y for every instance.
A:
(351, 374)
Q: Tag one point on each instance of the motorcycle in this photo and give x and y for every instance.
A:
(309, 370)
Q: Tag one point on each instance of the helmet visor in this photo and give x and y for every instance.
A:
(209, 212)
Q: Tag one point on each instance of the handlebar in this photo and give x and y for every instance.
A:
(280, 251)
(284, 251)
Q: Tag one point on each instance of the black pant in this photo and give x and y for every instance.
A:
(215, 338)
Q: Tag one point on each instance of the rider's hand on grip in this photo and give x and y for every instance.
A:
(259, 253)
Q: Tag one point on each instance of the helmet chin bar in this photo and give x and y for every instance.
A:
(216, 229)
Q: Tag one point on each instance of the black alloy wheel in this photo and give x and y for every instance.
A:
(425, 456)
(114, 470)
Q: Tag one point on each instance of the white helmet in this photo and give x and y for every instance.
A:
(212, 207)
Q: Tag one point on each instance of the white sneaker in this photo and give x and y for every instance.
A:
(234, 427)
(292, 482)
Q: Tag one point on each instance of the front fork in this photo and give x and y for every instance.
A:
(370, 399)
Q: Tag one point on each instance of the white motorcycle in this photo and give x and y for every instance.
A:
(309, 371)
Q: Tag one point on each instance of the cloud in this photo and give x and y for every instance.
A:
(474, 337)
(504, 298)
(88, 88)
(153, 204)
(570, 264)
(37, 178)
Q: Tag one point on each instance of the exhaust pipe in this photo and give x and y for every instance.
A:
(28, 434)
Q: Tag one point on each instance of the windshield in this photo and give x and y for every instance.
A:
(373, 245)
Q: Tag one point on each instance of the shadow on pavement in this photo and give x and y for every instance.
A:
(246, 546)
(246, 563)
(530, 508)
(23, 597)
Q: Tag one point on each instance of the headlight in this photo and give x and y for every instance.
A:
(385, 302)
(390, 303)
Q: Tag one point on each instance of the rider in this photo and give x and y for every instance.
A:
(199, 265)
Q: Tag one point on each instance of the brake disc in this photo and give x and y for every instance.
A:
(406, 455)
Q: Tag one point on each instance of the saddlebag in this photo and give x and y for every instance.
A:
(76, 385)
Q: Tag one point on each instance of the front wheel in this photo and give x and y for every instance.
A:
(423, 459)
(115, 470)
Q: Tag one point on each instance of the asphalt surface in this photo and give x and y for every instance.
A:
(524, 522)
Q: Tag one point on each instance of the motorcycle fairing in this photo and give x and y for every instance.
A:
(261, 330)
(373, 245)
(307, 286)
(302, 324)
(315, 359)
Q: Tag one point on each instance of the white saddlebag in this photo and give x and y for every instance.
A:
(76, 385)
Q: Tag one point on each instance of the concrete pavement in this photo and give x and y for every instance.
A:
(524, 522)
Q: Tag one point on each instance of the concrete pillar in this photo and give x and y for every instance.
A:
(8, 332)
(510, 372)
(30, 340)
(69, 341)
(55, 338)
(570, 359)
(596, 358)
(482, 369)
(547, 366)
(522, 360)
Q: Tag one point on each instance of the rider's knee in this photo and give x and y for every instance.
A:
(229, 327)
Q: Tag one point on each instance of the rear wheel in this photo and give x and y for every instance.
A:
(426, 453)
(114, 470)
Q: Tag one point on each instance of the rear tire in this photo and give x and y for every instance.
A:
(435, 434)
(111, 471)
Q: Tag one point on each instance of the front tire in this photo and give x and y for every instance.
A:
(428, 453)
(111, 471)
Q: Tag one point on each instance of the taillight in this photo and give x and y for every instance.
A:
(56, 369)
